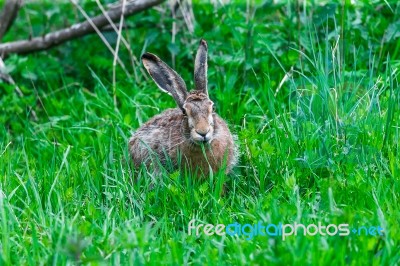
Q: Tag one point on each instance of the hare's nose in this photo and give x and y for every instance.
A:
(202, 132)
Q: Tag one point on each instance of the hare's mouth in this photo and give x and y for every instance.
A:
(201, 139)
(202, 142)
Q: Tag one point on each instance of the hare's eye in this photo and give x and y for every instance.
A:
(213, 109)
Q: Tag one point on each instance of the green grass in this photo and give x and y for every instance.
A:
(317, 118)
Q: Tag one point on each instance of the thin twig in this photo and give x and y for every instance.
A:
(113, 27)
(107, 44)
(174, 7)
(7, 78)
(121, 22)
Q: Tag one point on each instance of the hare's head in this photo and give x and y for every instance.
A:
(195, 104)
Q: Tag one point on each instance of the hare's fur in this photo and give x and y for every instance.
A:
(190, 136)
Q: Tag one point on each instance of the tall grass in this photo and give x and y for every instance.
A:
(317, 127)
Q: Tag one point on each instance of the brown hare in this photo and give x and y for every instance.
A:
(192, 135)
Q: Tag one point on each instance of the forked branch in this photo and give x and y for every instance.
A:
(77, 30)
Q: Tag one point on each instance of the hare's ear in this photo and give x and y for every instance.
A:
(200, 68)
(166, 78)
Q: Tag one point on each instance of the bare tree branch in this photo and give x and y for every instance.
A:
(77, 30)
(8, 15)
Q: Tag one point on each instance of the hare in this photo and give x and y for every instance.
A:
(192, 135)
